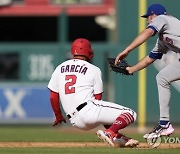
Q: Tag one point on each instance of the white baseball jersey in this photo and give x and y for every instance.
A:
(76, 81)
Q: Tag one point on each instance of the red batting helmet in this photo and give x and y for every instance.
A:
(82, 47)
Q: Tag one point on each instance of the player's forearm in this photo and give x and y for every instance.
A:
(141, 64)
(140, 39)
(54, 99)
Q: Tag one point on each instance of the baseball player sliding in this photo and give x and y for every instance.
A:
(77, 84)
(168, 29)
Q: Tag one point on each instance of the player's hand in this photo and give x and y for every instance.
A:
(130, 70)
(59, 120)
(121, 56)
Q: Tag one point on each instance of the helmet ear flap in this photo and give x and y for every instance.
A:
(91, 54)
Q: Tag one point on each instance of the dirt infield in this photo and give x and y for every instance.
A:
(78, 144)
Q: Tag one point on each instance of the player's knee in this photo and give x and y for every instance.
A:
(134, 114)
(161, 79)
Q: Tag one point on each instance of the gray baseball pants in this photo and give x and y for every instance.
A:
(164, 79)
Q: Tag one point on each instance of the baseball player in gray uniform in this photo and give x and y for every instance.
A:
(77, 84)
(168, 29)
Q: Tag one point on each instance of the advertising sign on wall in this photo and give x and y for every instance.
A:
(25, 104)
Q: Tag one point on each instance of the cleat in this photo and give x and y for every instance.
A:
(106, 137)
(124, 141)
(146, 136)
(159, 131)
(132, 143)
(116, 140)
(168, 130)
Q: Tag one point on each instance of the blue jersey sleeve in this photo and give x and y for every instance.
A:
(155, 55)
(153, 28)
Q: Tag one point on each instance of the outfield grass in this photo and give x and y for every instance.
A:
(56, 134)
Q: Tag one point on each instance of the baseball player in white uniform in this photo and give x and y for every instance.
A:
(168, 29)
(77, 84)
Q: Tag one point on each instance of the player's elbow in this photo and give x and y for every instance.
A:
(149, 60)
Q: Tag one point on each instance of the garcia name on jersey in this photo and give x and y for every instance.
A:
(74, 68)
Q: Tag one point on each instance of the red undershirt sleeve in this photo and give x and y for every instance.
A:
(55, 104)
(98, 96)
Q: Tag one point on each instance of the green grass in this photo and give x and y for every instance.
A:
(85, 151)
(48, 134)
(43, 134)
(56, 134)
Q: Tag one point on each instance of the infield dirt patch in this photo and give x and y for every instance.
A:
(78, 144)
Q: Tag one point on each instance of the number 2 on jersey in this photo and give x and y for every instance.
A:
(71, 80)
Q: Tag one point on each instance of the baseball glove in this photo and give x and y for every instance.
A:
(120, 67)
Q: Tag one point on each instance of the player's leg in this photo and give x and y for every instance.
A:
(101, 112)
(108, 113)
(164, 79)
(118, 117)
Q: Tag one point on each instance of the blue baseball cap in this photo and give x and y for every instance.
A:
(157, 9)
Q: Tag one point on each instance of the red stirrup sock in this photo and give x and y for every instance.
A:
(121, 122)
